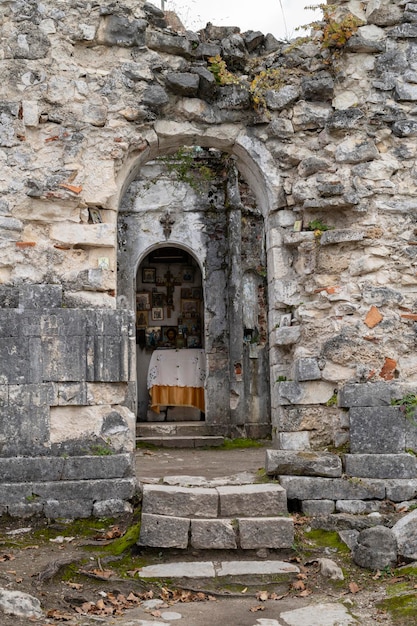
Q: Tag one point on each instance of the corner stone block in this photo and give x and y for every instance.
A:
(303, 463)
(252, 500)
(267, 532)
(159, 531)
(367, 394)
(306, 488)
(180, 501)
(377, 430)
(213, 534)
(381, 465)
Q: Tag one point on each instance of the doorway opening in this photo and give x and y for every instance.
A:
(170, 338)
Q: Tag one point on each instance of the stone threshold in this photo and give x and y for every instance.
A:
(214, 569)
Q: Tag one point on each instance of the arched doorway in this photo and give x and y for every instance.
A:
(220, 224)
(170, 337)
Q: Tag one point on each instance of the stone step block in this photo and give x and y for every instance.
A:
(190, 502)
(180, 441)
(252, 500)
(71, 490)
(213, 534)
(183, 429)
(311, 488)
(266, 532)
(303, 463)
(377, 430)
(161, 531)
(381, 465)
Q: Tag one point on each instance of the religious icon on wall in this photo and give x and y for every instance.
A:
(157, 314)
(143, 301)
(148, 274)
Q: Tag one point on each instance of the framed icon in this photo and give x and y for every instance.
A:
(157, 314)
(149, 275)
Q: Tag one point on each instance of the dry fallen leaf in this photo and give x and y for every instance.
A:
(353, 588)
(59, 615)
(7, 557)
(76, 586)
(305, 593)
(298, 585)
(262, 596)
(254, 609)
(103, 573)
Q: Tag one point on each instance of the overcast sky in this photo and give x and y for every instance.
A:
(264, 15)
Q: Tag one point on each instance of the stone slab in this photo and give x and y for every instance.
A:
(69, 509)
(160, 531)
(180, 501)
(377, 430)
(181, 569)
(405, 532)
(20, 469)
(373, 394)
(236, 568)
(303, 463)
(330, 614)
(306, 488)
(252, 500)
(266, 532)
(381, 465)
(213, 534)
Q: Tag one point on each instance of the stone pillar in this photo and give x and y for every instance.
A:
(235, 317)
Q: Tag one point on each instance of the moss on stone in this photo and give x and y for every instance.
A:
(326, 539)
(403, 608)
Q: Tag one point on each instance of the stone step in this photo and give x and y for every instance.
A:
(211, 569)
(249, 516)
(184, 429)
(179, 441)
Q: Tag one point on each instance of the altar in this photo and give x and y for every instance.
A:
(176, 378)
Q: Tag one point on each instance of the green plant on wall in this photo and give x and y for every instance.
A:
(186, 165)
(408, 404)
(218, 68)
(332, 32)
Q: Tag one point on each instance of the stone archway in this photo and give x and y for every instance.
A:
(237, 349)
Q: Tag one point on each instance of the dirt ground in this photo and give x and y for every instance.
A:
(85, 572)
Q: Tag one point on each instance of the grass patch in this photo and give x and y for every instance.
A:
(240, 443)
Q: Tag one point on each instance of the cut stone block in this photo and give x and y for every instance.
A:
(294, 440)
(236, 568)
(70, 509)
(405, 532)
(381, 465)
(303, 463)
(307, 369)
(160, 531)
(373, 394)
(111, 466)
(309, 392)
(213, 534)
(357, 507)
(317, 507)
(266, 532)
(377, 430)
(399, 490)
(252, 500)
(180, 501)
(306, 488)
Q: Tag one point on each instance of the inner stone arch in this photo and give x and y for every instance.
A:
(195, 200)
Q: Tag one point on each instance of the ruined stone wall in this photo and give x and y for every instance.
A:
(90, 93)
